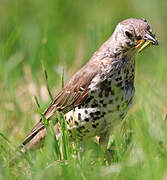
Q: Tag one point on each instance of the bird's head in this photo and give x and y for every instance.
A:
(134, 34)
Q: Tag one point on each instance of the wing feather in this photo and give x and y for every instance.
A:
(73, 94)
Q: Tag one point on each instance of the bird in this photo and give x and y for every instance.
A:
(97, 97)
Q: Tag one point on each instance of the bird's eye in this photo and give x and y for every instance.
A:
(128, 34)
(138, 38)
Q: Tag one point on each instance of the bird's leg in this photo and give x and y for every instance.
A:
(103, 141)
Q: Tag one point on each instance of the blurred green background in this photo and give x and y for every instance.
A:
(62, 35)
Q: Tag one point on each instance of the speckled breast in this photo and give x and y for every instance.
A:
(106, 106)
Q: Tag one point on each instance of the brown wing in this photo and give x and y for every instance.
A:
(72, 95)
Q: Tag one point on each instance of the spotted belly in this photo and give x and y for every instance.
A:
(101, 111)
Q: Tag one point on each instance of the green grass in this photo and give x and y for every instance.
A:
(59, 37)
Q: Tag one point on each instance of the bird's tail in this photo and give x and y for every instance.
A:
(37, 135)
(35, 138)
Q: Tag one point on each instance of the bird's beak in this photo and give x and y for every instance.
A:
(151, 38)
(146, 41)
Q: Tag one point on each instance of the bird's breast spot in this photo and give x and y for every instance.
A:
(82, 113)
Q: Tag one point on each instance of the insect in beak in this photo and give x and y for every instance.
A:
(148, 40)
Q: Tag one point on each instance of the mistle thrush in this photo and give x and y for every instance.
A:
(99, 95)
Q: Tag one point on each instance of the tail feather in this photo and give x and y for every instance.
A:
(39, 131)
(35, 131)
(33, 141)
